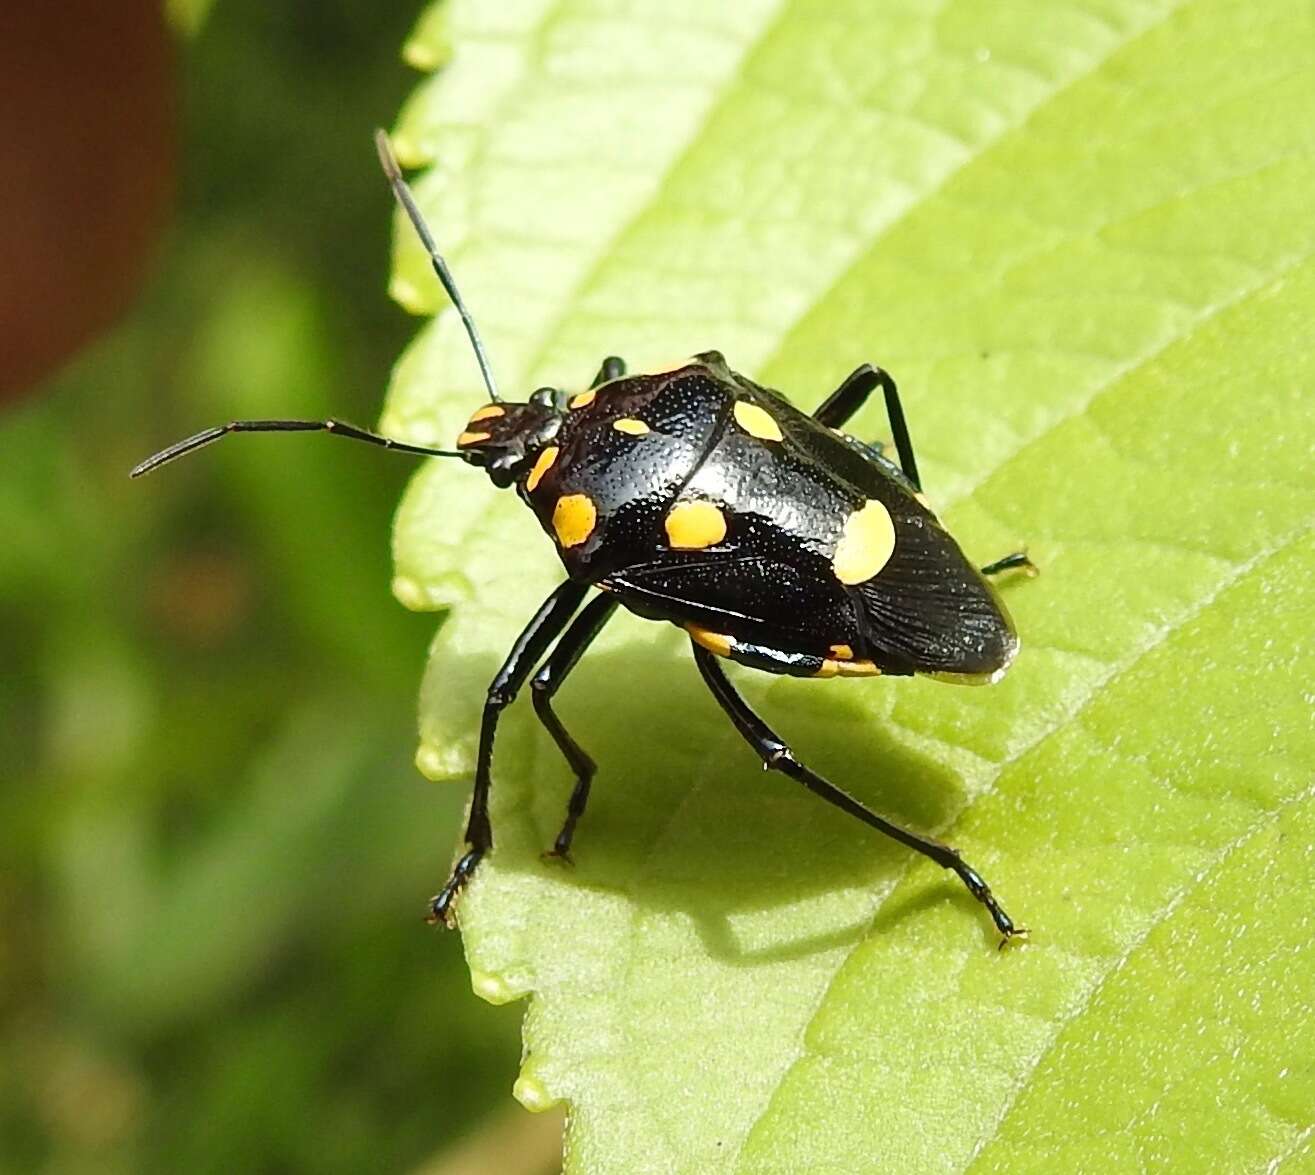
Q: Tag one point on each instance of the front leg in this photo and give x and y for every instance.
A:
(544, 628)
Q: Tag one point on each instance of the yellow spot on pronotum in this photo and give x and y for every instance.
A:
(471, 438)
(691, 526)
(866, 544)
(714, 642)
(842, 652)
(541, 466)
(628, 424)
(584, 399)
(488, 412)
(757, 422)
(573, 519)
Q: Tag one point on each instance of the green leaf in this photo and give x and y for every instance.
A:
(1080, 237)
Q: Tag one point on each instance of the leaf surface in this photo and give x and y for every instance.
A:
(1079, 236)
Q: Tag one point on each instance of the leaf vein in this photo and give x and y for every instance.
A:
(1216, 861)
(1163, 634)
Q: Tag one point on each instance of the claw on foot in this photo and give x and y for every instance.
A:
(1019, 933)
(440, 905)
(1018, 561)
(982, 892)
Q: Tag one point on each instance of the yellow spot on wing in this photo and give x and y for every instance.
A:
(842, 652)
(714, 642)
(573, 519)
(757, 422)
(470, 438)
(584, 399)
(541, 466)
(488, 412)
(628, 424)
(866, 544)
(691, 526)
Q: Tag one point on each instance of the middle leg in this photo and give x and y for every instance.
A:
(1014, 561)
(546, 682)
(778, 756)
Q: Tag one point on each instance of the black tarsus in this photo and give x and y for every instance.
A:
(404, 197)
(584, 628)
(544, 627)
(1014, 560)
(778, 756)
(850, 396)
(338, 428)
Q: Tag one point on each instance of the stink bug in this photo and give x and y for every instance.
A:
(698, 497)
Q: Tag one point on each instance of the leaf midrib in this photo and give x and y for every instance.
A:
(1216, 860)
(1116, 669)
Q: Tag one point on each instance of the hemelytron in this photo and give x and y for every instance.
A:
(698, 497)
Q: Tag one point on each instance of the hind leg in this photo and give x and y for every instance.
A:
(850, 396)
(777, 756)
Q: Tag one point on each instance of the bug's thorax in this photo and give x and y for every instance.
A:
(504, 439)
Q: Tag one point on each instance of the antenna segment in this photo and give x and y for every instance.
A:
(407, 201)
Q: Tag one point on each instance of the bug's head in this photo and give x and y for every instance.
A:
(503, 438)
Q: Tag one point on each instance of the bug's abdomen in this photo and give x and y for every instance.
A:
(758, 588)
(788, 549)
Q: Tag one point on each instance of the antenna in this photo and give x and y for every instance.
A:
(338, 428)
(407, 201)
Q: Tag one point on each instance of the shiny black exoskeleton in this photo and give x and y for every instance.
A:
(699, 497)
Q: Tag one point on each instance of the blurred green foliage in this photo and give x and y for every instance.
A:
(214, 847)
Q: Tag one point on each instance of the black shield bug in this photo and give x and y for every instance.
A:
(699, 497)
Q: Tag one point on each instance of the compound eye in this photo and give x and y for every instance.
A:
(544, 398)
